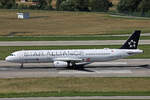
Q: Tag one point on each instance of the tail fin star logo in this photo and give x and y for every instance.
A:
(132, 44)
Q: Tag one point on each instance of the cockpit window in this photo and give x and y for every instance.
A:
(12, 55)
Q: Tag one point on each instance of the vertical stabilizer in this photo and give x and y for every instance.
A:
(133, 40)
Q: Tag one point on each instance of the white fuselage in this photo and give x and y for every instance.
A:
(81, 55)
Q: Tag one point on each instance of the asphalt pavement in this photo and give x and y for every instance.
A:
(82, 98)
(66, 43)
(119, 68)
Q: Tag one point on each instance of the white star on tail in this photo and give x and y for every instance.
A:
(132, 44)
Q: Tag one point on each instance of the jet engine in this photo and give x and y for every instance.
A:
(60, 64)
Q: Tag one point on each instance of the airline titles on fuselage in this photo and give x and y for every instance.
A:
(53, 53)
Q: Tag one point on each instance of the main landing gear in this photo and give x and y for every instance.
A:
(71, 65)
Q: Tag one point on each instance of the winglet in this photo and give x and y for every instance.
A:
(133, 40)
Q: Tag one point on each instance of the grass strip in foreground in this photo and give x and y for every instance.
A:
(6, 50)
(74, 86)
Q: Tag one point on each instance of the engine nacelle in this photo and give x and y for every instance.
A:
(60, 64)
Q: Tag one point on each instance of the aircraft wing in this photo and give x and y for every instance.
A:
(68, 59)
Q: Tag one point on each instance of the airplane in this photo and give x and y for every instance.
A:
(72, 58)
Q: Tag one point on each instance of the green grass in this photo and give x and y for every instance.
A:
(6, 50)
(47, 23)
(71, 86)
(72, 93)
(68, 38)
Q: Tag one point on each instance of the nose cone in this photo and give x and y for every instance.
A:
(9, 59)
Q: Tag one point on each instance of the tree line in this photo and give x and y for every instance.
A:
(133, 6)
(83, 5)
(11, 4)
(124, 6)
(62, 5)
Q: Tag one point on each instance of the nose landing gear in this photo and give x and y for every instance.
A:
(21, 66)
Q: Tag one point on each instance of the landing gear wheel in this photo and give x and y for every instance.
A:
(74, 66)
(21, 66)
(71, 65)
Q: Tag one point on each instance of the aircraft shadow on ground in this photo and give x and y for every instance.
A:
(86, 68)
(79, 68)
(36, 17)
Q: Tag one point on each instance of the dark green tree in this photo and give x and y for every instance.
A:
(45, 4)
(100, 5)
(50, 4)
(127, 6)
(68, 5)
(144, 6)
(58, 3)
(42, 4)
(82, 5)
(7, 4)
(74, 5)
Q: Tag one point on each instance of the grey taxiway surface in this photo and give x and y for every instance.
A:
(119, 68)
(82, 98)
(58, 43)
